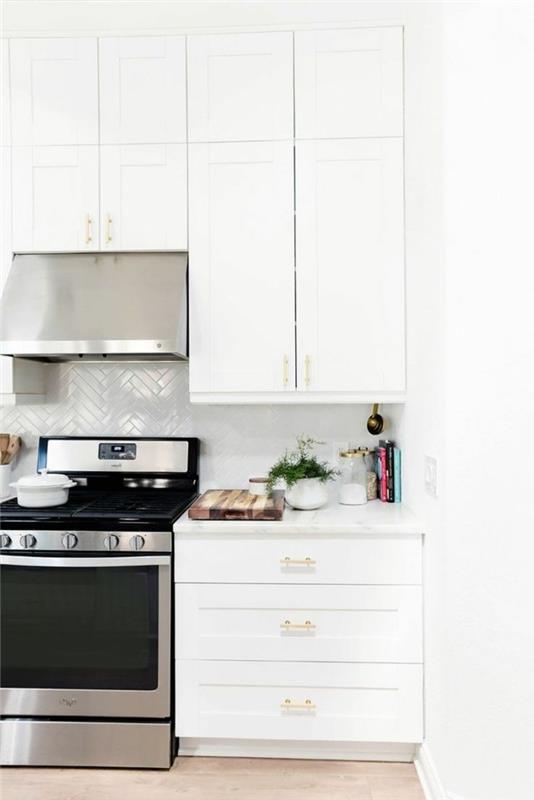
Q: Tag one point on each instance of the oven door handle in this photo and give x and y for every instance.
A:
(109, 561)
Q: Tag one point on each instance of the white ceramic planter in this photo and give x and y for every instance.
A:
(307, 494)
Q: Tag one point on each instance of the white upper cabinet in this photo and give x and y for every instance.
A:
(143, 199)
(55, 198)
(54, 91)
(241, 260)
(350, 265)
(240, 87)
(348, 83)
(142, 90)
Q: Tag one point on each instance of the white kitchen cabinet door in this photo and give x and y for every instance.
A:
(254, 622)
(143, 200)
(302, 701)
(142, 90)
(55, 198)
(240, 87)
(54, 91)
(241, 258)
(350, 266)
(246, 558)
(348, 83)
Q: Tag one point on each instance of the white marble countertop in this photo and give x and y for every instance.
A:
(374, 517)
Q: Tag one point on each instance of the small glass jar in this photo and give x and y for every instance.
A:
(370, 463)
(353, 478)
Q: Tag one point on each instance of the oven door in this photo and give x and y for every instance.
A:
(85, 637)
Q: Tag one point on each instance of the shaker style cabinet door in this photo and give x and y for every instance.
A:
(350, 265)
(54, 91)
(143, 200)
(142, 90)
(348, 83)
(55, 198)
(241, 267)
(240, 87)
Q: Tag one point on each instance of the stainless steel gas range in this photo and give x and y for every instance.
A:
(86, 606)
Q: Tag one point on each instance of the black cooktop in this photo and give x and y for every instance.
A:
(96, 509)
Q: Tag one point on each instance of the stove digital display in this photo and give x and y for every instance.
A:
(111, 451)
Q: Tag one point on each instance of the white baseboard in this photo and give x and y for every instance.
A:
(433, 788)
(262, 748)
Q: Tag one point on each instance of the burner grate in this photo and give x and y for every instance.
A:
(145, 504)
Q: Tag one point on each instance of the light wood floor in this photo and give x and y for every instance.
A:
(219, 779)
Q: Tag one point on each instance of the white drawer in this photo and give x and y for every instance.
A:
(346, 623)
(369, 559)
(327, 702)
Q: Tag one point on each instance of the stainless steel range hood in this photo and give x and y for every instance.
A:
(92, 306)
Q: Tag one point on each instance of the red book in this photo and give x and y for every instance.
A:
(382, 474)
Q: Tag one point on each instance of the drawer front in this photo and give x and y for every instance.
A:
(299, 623)
(368, 559)
(330, 702)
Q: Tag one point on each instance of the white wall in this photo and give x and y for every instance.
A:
(470, 402)
(489, 400)
(422, 425)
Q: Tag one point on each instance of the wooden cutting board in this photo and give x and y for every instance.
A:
(237, 504)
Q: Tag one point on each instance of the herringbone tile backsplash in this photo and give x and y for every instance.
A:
(153, 400)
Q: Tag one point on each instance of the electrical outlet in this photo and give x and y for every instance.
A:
(431, 476)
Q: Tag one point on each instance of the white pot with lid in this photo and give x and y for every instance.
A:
(43, 490)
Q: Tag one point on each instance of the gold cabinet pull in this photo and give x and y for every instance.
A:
(88, 229)
(109, 233)
(297, 562)
(288, 704)
(303, 626)
(307, 370)
(286, 370)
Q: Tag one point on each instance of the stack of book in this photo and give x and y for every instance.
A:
(388, 469)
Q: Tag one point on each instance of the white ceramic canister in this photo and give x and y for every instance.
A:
(5, 478)
(257, 485)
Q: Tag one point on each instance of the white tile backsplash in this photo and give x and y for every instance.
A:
(153, 400)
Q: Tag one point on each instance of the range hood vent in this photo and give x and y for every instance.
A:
(95, 306)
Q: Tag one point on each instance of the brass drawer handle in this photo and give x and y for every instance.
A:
(298, 562)
(109, 234)
(88, 229)
(307, 370)
(286, 370)
(307, 705)
(305, 626)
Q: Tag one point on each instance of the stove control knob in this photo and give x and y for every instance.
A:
(111, 542)
(28, 540)
(137, 542)
(6, 540)
(70, 540)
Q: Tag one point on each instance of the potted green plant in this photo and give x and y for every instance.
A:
(304, 476)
